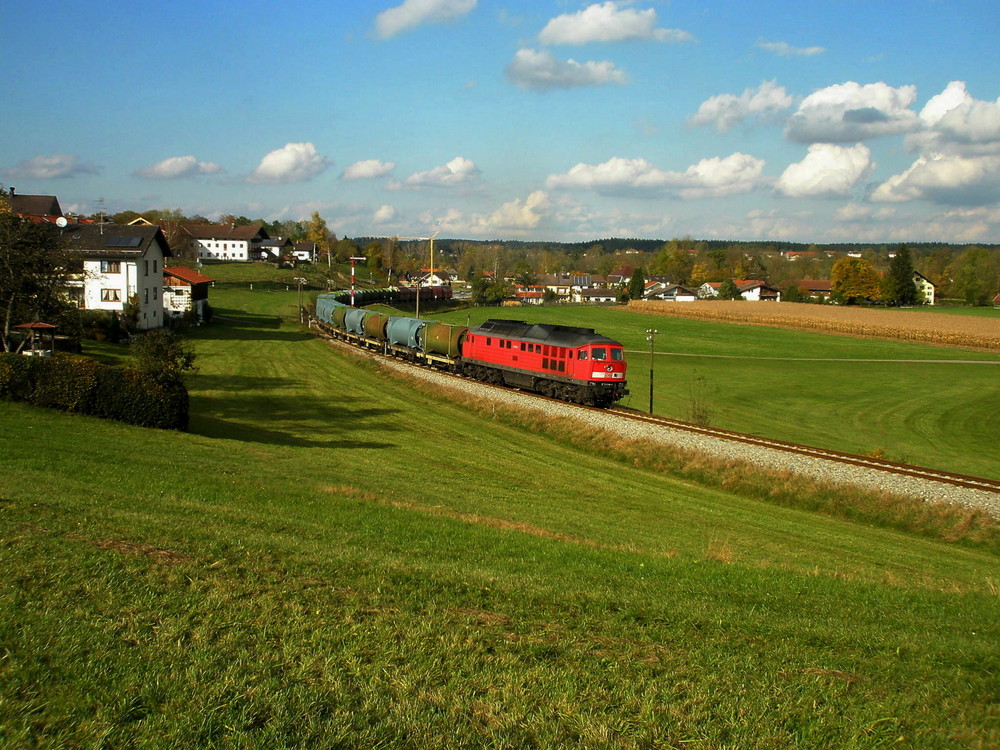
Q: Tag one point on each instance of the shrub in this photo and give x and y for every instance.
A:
(83, 386)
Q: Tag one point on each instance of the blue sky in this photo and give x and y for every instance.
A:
(807, 120)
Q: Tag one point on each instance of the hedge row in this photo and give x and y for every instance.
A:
(83, 386)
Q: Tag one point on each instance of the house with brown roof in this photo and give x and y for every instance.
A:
(752, 290)
(225, 241)
(36, 208)
(184, 290)
(121, 265)
(813, 288)
(671, 293)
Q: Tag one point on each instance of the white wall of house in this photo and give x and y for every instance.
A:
(177, 301)
(925, 287)
(109, 284)
(222, 249)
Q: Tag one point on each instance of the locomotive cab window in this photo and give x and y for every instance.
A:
(616, 355)
(600, 353)
(582, 355)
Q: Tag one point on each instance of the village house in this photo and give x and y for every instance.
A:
(225, 242)
(36, 208)
(813, 288)
(925, 287)
(122, 265)
(273, 250)
(305, 252)
(530, 294)
(752, 290)
(184, 290)
(671, 293)
(596, 296)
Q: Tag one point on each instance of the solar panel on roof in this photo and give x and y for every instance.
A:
(123, 242)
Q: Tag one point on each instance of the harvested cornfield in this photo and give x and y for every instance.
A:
(924, 328)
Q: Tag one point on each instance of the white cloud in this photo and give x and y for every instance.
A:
(607, 22)
(414, 13)
(714, 177)
(827, 170)
(384, 214)
(56, 166)
(945, 179)
(515, 215)
(784, 49)
(727, 110)
(956, 123)
(532, 69)
(863, 212)
(457, 172)
(851, 112)
(176, 167)
(368, 169)
(294, 162)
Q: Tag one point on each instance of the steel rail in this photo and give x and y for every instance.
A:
(826, 454)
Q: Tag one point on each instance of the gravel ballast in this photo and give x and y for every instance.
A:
(769, 458)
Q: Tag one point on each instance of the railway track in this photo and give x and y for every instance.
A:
(987, 491)
(864, 462)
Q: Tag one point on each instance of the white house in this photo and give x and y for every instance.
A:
(225, 241)
(305, 251)
(121, 265)
(673, 293)
(596, 296)
(750, 289)
(925, 286)
(274, 250)
(185, 289)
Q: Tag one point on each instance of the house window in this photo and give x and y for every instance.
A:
(111, 266)
(110, 295)
(154, 266)
(145, 296)
(145, 269)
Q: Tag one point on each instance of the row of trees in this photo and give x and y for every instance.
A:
(967, 273)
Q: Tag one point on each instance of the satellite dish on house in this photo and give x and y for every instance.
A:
(61, 222)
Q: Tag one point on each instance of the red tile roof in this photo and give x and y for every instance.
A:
(188, 275)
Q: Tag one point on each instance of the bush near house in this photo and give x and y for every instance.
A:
(83, 386)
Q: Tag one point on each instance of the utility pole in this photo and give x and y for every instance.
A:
(354, 258)
(651, 336)
(300, 281)
(431, 238)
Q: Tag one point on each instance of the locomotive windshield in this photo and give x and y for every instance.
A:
(599, 352)
(616, 355)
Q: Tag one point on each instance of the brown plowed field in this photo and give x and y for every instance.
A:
(925, 328)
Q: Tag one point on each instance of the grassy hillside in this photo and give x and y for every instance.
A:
(332, 559)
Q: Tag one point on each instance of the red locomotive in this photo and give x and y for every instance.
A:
(573, 364)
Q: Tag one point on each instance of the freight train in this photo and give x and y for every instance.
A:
(564, 362)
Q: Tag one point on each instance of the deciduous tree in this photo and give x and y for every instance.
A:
(976, 276)
(854, 280)
(33, 271)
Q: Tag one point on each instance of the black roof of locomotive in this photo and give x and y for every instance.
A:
(541, 333)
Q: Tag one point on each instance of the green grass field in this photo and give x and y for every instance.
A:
(330, 558)
(925, 405)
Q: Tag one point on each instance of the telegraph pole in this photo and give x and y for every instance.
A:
(651, 336)
(354, 258)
